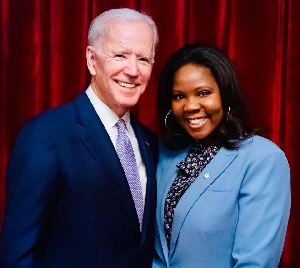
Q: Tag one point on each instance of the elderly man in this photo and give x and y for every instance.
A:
(81, 186)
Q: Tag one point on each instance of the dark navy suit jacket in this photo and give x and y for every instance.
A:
(68, 203)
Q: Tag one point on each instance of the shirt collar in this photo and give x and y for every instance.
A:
(106, 115)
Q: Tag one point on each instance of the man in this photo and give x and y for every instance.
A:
(74, 198)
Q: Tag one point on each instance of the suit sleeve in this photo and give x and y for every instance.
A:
(31, 195)
(264, 207)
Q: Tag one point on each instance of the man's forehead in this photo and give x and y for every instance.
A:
(133, 26)
(128, 38)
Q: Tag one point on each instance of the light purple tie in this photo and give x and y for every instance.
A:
(126, 154)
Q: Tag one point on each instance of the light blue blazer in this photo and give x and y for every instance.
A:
(235, 213)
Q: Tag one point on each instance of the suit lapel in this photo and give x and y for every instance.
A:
(147, 156)
(98, 143)
(215, 168)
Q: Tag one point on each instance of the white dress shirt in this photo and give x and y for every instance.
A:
(109, 120)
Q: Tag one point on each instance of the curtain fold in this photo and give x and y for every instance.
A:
(42, 61)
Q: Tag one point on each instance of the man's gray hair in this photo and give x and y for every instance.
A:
(99, 24)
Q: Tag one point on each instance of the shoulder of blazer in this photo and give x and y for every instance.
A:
(166, 155)
(258, 146)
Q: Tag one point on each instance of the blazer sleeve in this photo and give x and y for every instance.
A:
(264, 207)
(31, 195)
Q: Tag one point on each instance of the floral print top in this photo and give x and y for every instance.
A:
(189, 169)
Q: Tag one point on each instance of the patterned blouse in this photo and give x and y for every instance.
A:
(189, 169)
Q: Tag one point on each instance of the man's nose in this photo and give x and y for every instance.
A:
(132, 68)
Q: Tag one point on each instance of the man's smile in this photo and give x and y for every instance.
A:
(127, 85)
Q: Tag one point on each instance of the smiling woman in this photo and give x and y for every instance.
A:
(208, 72)
(196, 102)
(223, 192)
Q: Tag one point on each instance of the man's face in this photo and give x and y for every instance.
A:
(121, 65)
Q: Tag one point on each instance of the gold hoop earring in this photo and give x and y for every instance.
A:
(166, 125)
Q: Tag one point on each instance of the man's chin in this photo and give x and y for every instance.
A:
(129, 102)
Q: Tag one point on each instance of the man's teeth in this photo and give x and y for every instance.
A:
(123, 84)
(197, 121)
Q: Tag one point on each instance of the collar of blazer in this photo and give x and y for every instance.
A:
(210, 173)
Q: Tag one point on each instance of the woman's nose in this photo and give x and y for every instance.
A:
(192, 104)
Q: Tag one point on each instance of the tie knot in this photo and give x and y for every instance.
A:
(121, 125)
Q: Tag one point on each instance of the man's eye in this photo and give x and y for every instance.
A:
(145, 60)
(119, 56)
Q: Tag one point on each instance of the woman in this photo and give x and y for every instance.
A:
(223, 192)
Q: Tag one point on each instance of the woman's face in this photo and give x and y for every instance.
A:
(196, 101)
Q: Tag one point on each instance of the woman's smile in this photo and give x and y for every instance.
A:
(196, 102)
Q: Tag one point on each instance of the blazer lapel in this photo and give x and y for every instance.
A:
(164, 183)
(98, 143)
(211, 172)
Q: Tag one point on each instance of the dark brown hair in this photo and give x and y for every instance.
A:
(233, 128)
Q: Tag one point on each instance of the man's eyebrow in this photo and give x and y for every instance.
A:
(128, 52)
(120, 51)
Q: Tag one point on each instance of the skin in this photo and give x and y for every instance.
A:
(121, 64)
(196, 102)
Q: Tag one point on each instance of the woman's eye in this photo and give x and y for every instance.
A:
(177, 97)
(204, 93)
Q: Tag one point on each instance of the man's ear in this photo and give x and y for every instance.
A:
(90, 60)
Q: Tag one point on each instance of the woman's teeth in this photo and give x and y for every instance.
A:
(197, 121)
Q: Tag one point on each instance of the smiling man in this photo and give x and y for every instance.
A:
(121, 65)
(80, 184)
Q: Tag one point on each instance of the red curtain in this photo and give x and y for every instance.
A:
(43, 65)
